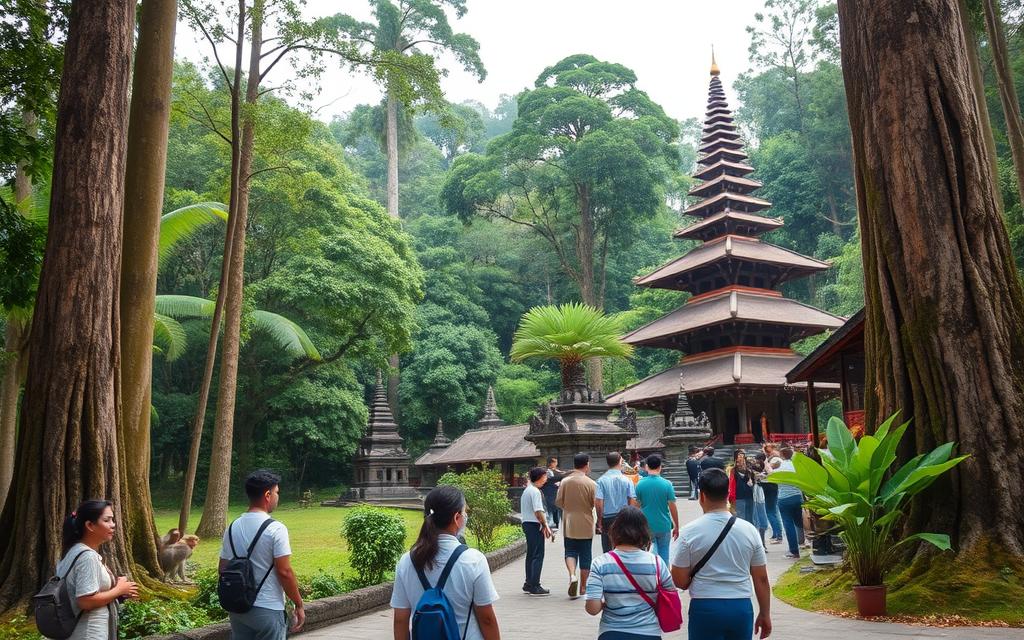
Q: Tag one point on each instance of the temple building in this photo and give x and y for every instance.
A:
(736, 330)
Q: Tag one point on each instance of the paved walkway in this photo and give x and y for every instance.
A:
(523, 617)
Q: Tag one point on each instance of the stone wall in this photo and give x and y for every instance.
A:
(328, 611)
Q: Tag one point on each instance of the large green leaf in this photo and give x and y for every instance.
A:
(182, 223)
(940, 540)
(184, 306)
(883, 429)
(568, 332)
(811, 472)
(798, 481)
(923, 475)
(840, 443)
(169, 336)
(902, 474)
(286, 333)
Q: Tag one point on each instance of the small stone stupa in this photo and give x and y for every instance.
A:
(381, 465)
(683, 430)
(491, 418)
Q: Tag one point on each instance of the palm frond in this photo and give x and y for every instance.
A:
(286, 333)
(177, 306)
(169, 337)
(570, 332)
(182, 223)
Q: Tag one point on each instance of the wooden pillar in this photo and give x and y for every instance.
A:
(812, 412)
(744, 419)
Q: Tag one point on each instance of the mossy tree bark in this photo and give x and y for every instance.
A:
(144, 193)
(67, 448)
(944, 307)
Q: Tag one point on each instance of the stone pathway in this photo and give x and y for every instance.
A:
(523, 617)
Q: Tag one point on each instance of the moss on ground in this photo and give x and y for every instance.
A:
(982, 586)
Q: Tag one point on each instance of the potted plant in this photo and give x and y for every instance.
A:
(571, 334)
(852, 487)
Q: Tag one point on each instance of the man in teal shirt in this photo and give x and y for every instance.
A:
(657, 498)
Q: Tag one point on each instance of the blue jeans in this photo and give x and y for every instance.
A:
(534, 553)
(259, 624)
(554, 513)
(661, 542)
(771, 505)
(791, 510)
(760, 516)
(745, 509)
(693, 487)
(721, 619)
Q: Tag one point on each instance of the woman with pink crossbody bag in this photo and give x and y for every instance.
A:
(631, 610)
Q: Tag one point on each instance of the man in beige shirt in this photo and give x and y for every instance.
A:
(576, 500)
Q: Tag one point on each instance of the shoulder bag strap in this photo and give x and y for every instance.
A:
(68, 572)
(632, 580)
(252, 545)
(231, 541)
(714, 547)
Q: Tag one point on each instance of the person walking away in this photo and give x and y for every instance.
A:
(716, 558)
(270, 558)
(93, 589)
(550, 491)
(741, 487)
(614, 491)
(791, 501)
(535, 528)
(709, 461)
(771, 492)
(437, 551)
(657, 497)
(575, 498)
(625, 614)
(693, 469)
(758, 473)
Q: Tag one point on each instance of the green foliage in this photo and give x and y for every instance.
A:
(323, 585)
(851, 486)
(487, 502)
(158, 617)
(183, 223)
(206, 598)
(377, 539)
(19, 627)
(521, 388)
(21, 257)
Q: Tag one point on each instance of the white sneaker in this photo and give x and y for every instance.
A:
(574, 587)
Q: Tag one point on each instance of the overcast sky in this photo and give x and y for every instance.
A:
(666, 42)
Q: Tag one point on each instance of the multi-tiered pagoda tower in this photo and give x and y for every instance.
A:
(736, 330)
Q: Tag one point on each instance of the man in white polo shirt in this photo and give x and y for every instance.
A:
(716, 557)
(535, 527)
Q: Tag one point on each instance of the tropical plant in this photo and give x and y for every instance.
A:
(487, 502)
(849, 487)
(376, 539)
(569, 333)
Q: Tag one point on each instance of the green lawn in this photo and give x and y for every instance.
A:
(315, 535)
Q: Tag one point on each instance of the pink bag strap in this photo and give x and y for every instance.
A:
(632, 580)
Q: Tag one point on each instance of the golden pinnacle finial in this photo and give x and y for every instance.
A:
(714, 66)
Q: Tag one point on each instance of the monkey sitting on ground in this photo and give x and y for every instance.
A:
(172, 557)
(169, 538)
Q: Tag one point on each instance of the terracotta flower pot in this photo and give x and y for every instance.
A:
(870, 600)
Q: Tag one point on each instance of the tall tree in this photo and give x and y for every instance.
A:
(67, 448)
(143, 203)
(587, 160)
(1007, 91)
(944, 306)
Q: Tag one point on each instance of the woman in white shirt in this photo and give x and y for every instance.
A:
(93, 589)
(469, 587)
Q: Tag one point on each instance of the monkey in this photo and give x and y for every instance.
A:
(169, 538)
(172, 557)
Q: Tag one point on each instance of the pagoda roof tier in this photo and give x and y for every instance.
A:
(718, 119)
(717, 101)
(476, 445)
(732, 260)
(721, 141)
(725, 182)
(735, 368)
(727, 201)
(728, 313)
(727, 131)
(724, 167)
(731, 155)
(721, 110)
(728, 223)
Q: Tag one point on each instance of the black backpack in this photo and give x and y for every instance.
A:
(52, 605)
(237, 588)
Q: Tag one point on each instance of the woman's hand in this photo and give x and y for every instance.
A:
(126, 588)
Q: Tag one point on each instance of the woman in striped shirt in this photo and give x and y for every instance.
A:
(625, 615)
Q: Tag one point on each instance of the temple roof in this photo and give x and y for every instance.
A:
(721, 140)
(727, 200)
(728, 222)
(823, 364)
(381, 439)
(476, 445)
(736, 368)
(732, 155)
(719, 129)
(734, 184)
(723, 167)
(739, 306)
(731, 248)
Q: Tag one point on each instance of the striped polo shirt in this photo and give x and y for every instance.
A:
(625, 610)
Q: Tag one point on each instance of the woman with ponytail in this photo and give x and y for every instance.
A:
(469, 587)
(93, 589)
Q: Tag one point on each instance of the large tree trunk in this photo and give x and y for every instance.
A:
(144, 193)
(215, 506)
(67, 449)
(391, 136)
(1007, 92)
(218, 309)
(944, 307)
(585, 243)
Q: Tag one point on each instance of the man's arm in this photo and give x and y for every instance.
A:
(401, 623)
(681, 577)
(594, 607)
(286, 576)
(485, 618)
(675, 518)
(763, 591)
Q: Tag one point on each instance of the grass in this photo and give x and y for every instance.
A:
(981, 587)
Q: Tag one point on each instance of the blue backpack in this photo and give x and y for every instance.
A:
(434, 617)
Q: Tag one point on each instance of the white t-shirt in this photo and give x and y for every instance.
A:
(469, 582)
(88, 577)
(272, 544)
(531, 502)
(727, 572)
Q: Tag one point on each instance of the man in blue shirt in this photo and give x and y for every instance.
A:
(614, 491)
(658, 500)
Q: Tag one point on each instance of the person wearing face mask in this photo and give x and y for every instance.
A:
(468, 586)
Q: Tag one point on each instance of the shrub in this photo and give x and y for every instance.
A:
(206, 594)
(143, 618)
(324, 585)
(376, 539)
(486, 501)
(19, 628)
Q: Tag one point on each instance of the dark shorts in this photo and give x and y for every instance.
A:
(580, 549)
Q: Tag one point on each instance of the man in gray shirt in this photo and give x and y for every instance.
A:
(535, 527)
